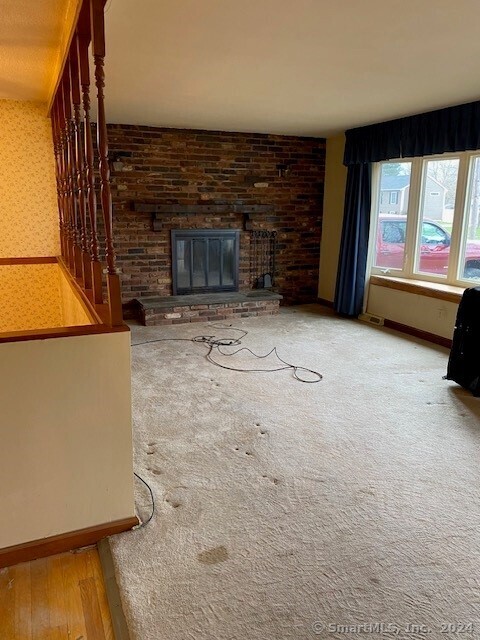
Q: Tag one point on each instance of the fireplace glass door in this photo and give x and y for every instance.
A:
(204, 260)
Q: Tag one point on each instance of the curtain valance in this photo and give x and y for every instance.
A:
(441, 131)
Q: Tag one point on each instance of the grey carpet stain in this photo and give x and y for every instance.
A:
(213, 556)
(274, 480)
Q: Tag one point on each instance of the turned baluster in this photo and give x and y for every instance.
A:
(67, 204)
(98, 47)
(68, 171)
(72, 173)
(96, 268)
(63, 199)
(86, 272)
(56, 149)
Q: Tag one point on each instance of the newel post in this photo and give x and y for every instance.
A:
(97, 23)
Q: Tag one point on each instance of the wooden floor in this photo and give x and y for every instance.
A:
(57, 598)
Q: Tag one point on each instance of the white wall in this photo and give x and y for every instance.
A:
(335, 181)
(65, 429)
(413, 310)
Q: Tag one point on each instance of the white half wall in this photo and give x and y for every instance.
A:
(417, 311)
(66, 440)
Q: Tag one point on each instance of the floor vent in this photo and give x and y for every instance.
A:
(371, 319)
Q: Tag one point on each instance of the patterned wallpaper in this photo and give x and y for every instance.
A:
(29, 297)
(28, 201)
(37, 296)
(73, 313)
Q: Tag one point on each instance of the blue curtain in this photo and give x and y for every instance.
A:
(451, 129)
(445, 130)
(354, 246)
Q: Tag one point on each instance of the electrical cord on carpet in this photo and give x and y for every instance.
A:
(145, 522)
(214, 345)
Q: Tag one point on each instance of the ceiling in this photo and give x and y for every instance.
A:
(31, 33)
(299, 67)
(303, 67)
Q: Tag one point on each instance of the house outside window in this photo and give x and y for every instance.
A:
(426, 219)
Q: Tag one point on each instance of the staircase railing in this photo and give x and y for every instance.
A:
(80, 172)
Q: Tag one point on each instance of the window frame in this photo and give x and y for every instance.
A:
(418, 179)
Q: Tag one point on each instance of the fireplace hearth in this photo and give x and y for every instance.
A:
(205, 307)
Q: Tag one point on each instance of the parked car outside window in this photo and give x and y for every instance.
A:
(434, 247)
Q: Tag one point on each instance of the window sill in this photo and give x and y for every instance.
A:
(420, 287)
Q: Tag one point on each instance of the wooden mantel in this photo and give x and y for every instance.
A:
(158, 211)
(202, 208)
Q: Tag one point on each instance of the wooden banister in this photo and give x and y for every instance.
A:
(74, 156)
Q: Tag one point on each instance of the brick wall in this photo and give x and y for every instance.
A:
(173, 166)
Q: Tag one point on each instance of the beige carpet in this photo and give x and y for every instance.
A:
(282, 506)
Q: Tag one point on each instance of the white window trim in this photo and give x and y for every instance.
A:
(417, 187)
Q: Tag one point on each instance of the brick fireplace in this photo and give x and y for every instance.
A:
(166, 180)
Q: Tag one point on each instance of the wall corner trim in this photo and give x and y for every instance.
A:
(326, 303)
(62, 542)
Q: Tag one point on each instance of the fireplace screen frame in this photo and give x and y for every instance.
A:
(190, 235)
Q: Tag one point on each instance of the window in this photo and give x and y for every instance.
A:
(433, 243)
(434, 232)
(391, 226)
(393, 197)
(469, 263)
